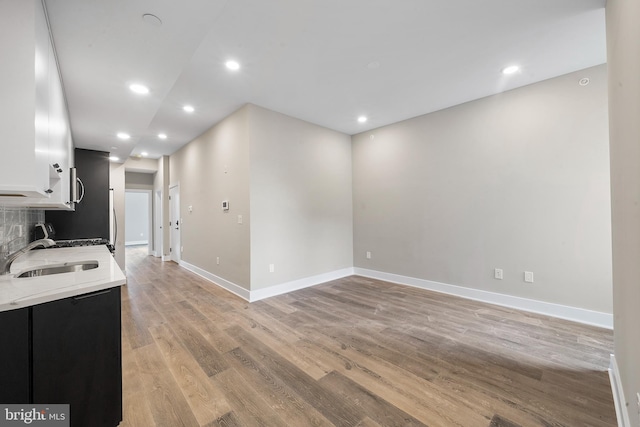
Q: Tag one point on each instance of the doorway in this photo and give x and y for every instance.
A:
(138, 224)
(174, 223)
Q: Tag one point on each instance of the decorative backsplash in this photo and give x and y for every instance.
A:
(17, 225)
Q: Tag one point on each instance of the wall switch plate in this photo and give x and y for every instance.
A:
(239, 219)
(368, 255)
(181, 249)
(217, 260)
(528, 276)
(498, 273)
(272, 268)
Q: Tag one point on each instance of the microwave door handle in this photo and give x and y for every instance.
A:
(81, 190)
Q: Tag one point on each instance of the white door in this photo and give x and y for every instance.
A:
(157, 239)
(174, 222)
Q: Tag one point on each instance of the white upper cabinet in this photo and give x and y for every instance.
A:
(36, 149)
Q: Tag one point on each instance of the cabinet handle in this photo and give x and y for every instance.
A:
(56, 166)
(49, 191)
(81, 190)
(93, 294)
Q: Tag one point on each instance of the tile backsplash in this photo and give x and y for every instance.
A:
(17, 225)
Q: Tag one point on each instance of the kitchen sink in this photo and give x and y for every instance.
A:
(67, 267)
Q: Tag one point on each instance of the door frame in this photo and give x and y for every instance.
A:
(157, 225)
(174, 206)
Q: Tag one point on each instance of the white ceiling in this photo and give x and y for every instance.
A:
(324, 61)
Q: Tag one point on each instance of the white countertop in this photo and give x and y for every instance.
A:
(27, 291)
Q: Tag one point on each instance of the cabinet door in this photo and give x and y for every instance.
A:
(60, 144)
(14, 356)
(77, 357)
(43, 62)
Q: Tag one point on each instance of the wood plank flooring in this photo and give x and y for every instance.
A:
(352, 352)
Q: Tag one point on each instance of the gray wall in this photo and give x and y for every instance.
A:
(137, 217)
(301, 199)
(518, 181)
(289, 180)
(623, 51)
(212, 168)
(138, 180)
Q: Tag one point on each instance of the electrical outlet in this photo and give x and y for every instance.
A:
(498, 274)
(368, 255)
(218, 260)
(181, 249)
(528, 276)
(272, 268)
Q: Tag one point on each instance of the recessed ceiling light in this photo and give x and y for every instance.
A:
(114, 158)
(232, 65)
(510, 69)
(144, 154)
(123, 135)
(362, 119)
(188, 109)
(138, 88)
(162, 135)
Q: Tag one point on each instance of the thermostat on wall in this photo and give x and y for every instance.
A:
(225, 205)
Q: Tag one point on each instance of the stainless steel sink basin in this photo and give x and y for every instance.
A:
(67, 267)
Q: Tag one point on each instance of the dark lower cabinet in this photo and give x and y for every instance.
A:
(14, 356)
(75, 357)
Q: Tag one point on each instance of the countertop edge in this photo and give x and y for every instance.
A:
(108, 275)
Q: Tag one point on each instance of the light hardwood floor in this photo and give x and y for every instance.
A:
(352, 352)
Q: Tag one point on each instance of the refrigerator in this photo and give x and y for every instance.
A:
(92, 218)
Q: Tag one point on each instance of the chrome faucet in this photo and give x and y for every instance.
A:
(7, 259)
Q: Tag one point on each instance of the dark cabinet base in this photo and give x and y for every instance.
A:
(68, 352)
(14, 356)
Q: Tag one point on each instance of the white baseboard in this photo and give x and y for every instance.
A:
(618, 394)
(580, 315)
(282, 288)
(166, 258)
(575, 314)
(231, 287)
(295, 285)
(137, 243)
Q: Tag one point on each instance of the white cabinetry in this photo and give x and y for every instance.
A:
(35, 138)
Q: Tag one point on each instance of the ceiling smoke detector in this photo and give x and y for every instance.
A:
(152, 19)
(584, 81)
